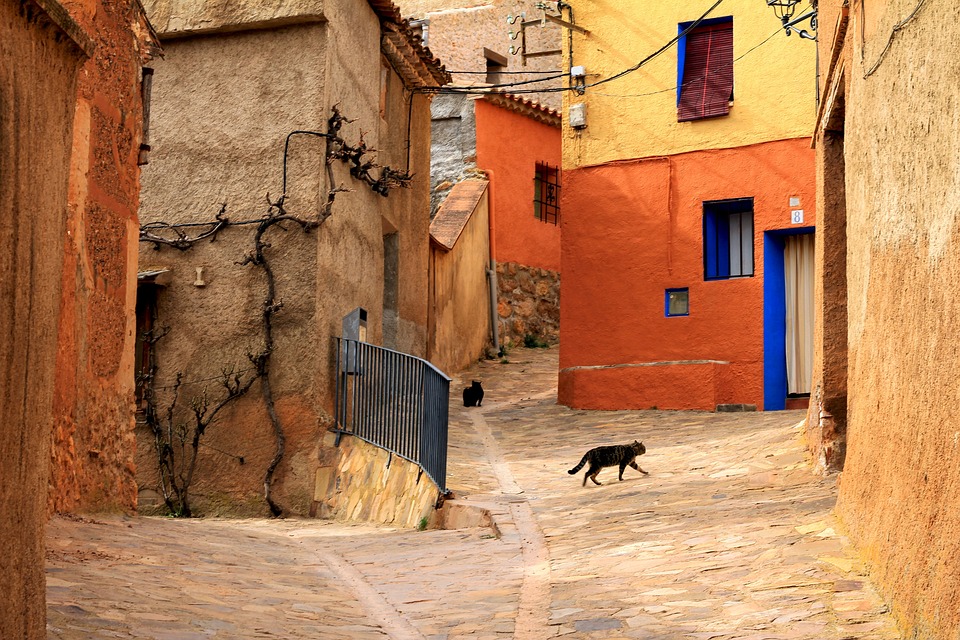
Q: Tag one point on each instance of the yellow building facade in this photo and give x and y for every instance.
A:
(687, 213)
(635, 116)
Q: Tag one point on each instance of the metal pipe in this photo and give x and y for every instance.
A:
(492, 268)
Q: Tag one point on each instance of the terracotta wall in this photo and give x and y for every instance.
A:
(38, 68)
(900, 488)
(93, 442)
(509, 145)
(633, 229)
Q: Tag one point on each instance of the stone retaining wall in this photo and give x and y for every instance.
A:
(529, 303)
(363, 483)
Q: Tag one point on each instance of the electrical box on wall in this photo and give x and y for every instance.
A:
(577, 116)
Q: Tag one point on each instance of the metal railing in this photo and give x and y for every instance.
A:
(395, 401)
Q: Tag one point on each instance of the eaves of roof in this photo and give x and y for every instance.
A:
(404, 49)
(455, 212)
(525, 107)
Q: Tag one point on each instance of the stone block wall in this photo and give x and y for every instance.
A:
(360, 482)
(528, 303)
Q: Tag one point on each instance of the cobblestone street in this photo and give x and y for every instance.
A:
(729, 537)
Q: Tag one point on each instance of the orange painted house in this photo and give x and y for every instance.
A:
(514, 136)
(688, 223)
(518, 147)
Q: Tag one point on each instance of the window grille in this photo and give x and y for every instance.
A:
(546, 193)
(705, 71)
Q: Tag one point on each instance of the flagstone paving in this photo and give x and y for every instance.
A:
(730, 537)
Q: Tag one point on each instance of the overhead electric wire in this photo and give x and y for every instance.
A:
(468, 89)
(691, 80)
(483, 73)
(896, 28)
(481, 91)
(693, 25)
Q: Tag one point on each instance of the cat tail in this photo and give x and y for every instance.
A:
(583, 461)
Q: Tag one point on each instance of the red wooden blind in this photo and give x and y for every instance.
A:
(707, 73)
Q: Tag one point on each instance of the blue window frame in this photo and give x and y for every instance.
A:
(728, 239)
(704, 69)
(676, 302)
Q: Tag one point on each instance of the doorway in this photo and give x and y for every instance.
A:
(798, 258)
(788, 317)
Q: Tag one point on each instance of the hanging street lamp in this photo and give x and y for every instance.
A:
(785, 9)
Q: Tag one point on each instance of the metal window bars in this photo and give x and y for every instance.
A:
(394, 401)
(546, 193)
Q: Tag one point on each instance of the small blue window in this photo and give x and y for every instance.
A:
(677, 302)
(728, 239)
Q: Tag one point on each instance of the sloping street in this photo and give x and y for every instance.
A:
(730, 537)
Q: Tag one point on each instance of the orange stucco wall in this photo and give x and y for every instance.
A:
(510, 145)
(633, 229)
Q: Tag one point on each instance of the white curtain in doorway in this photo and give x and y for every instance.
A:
(798, 274)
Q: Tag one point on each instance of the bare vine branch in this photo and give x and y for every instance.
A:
(177, 469)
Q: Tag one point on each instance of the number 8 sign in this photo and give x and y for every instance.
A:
(796, 216)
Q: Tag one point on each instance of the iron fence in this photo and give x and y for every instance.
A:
(395, 401)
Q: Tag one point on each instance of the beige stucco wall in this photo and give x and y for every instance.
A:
(223, 105)
(900, 488)
(460, 295)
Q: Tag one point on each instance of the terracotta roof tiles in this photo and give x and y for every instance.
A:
(526, 107)
(455, 212)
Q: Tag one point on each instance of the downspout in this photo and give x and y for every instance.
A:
(492, 268)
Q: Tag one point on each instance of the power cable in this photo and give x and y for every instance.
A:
(693, 25)
(506, 72)
(691, 80)
(896, 28)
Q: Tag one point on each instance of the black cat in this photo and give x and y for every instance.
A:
(473, 395)
(622, 454)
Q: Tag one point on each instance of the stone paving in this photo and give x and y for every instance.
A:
(729, 537)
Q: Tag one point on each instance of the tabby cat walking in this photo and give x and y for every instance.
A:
(624, 455)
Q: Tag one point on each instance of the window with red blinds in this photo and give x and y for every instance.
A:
(707, 84)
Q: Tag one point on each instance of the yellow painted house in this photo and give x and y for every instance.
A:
(687, 207)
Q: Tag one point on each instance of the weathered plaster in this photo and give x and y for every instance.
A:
(92, 453)
(460, 292)
(224, 104)
(173, 18)
(38, 76)
(900, 486)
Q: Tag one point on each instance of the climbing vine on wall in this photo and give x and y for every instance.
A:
(177, 438)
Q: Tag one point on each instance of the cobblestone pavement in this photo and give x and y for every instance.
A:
(729, 537)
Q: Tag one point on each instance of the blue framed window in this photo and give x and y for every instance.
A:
(704, 69)
(728, 239)
(677, 302)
